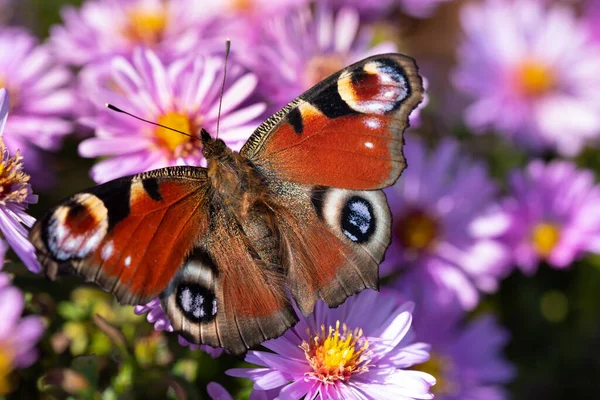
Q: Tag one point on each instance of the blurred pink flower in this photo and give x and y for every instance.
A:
(158, 318)
(362, 349)
(300, 49)
(41, 98)
(465, 357)
(591, 16)
(552, 214)
(433, 205)
(184, 95)
(18, 335)
(533, 74)
(101, 29)
(15, 197)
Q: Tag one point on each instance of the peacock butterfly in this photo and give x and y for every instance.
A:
(297, 213)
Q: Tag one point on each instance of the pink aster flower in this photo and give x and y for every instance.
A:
(158, 318)
(15, 197)
(307, 47)
(18, 335)
(41, 98)
(433, 205)
(101, 29)
(183, 95)
(552, 214)
(360, 350)
(591, 18)
(465, 357)
(532, 72)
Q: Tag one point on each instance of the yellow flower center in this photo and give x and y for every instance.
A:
(440, 367)
(146, 26)
(535, 78)
(168, 138)
(13, 181)
(320, 67)
(545, 236)
(334, 355)
(242, 5)
(417, 230)
(6, 360)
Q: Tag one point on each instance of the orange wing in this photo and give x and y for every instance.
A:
(346, 132)
(130, 235)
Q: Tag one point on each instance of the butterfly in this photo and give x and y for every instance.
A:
(299, 213)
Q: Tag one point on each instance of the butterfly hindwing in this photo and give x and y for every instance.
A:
(345, 132)
(240, 303)
(129, 235)
(334, 240)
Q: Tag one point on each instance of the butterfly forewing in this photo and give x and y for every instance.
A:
(345, 132)
(129, 235)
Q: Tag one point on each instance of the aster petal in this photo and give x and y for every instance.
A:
(346, 28)
(296, 390)
(282, 364)
(217, 392)
(242, 116)
(235, 95)
(16, 236)
(12, 300)
(30, 329)
(4, 107)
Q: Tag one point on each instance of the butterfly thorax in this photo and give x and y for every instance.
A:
(234, 182)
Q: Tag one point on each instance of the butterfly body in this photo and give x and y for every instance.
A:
(297, 214)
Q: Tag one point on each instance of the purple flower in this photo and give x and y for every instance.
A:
(306, 48)
(533, 74)
(217, 392)
(183, 95)
(40, 98)
(591, 18)
(15, 197)
(18, 335)
(466, 357)
(362, 350)
(157, 316)
(552, 214)
(102, 29)
(433, 205)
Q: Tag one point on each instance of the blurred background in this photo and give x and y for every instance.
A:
(497, 214)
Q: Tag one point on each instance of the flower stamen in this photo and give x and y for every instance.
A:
(146, 25)
(534, 79)
(14, 182)
(336, 356)
(545, 236)
(180, 145)
(417, 230)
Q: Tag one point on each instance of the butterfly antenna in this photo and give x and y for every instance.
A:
(227, 47)
(110, 106)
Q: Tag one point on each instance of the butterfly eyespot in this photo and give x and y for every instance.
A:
(197, 303)
(378, 88)
(76, 228)
(358, 219)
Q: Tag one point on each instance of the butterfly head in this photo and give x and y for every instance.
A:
(213, 148)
